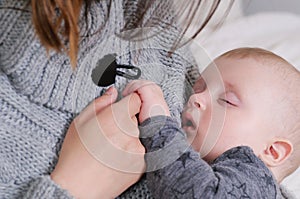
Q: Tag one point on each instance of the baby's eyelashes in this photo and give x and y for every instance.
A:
(229, 98)
(226, 102)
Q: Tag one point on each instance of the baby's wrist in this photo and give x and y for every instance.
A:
(153, 110)
(158, 109)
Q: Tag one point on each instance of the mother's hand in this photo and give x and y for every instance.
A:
(101, 155)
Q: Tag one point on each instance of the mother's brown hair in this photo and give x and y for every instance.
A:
(56, 21)
(48, 18)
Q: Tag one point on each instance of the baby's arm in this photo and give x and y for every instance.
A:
(175, 170)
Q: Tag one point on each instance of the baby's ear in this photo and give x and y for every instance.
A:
(277, 152)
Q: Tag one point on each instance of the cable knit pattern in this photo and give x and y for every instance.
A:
(40, 94)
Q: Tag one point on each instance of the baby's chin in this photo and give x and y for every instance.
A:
(194, 142)
(209, 158)
(191, 135)
(209, 155)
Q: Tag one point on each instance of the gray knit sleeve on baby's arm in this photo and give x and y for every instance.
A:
(175, 170)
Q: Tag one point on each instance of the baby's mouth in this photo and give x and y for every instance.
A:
(188, 122)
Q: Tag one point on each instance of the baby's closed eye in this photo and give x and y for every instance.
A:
(229, 98)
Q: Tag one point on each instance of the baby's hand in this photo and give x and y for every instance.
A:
(153, 102)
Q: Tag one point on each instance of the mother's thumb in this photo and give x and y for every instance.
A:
(108, 98)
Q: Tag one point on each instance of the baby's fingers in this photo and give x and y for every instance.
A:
(135, 85)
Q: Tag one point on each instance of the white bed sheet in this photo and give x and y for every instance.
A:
(278, 32)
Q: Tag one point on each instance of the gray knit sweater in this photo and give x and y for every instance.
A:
(40, 94)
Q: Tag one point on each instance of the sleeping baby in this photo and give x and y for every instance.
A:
(240, 136)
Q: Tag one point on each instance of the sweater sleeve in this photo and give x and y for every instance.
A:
(13, 184)
(175, 170)
(25, 154)
(44, 187)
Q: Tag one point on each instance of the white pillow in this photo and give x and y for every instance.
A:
(277, 32)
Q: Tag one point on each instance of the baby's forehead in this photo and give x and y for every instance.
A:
(267, 64)
(255, 60)
(263, 72)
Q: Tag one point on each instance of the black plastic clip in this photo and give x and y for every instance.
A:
(106, 71)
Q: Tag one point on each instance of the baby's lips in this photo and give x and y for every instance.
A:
(188, 120)
(183, 118)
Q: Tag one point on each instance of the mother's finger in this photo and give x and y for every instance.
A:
(129, 106)
(128, 87)
(108, 98)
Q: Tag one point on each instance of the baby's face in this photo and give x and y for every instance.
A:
(234, 104)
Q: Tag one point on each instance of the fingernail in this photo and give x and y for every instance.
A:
(109, 91)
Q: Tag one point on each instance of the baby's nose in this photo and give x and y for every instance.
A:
(198, 101)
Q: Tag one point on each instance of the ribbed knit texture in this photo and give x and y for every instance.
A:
(40, 94)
